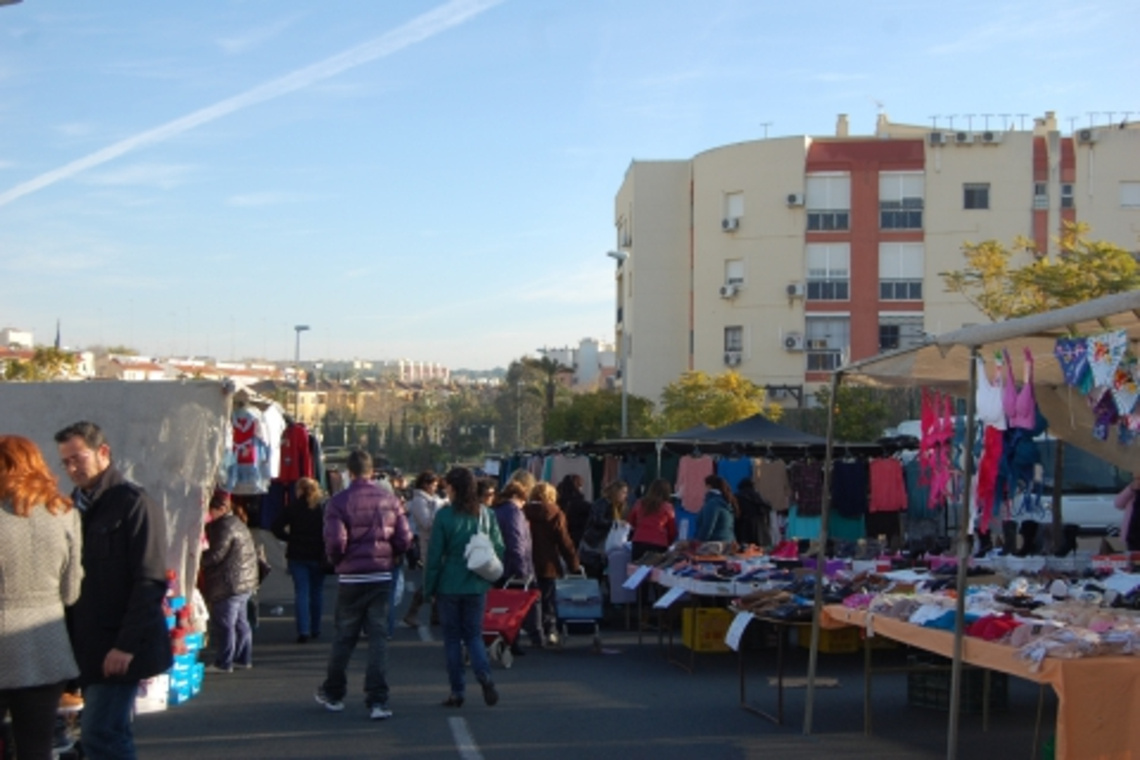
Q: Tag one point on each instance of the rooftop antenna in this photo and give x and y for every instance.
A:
(1109, 114)
(1005, 120)
(765, 124)
(934, 121)
(951, 118)
(1023, 117)
(987, 116)
(969, 121)
(1091, 114)
(1072, 124)
(1124, 122)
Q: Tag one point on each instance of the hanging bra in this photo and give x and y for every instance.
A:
(989, 405)
(1020, 405)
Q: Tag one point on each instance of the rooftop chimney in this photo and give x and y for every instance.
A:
(841, 125)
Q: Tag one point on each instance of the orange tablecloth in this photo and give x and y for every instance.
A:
(1098, 713)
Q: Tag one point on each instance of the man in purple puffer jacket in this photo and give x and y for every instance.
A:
(365, 532)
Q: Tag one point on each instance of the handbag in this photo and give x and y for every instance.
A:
(618, 535)
(480, 554)
(263, 566)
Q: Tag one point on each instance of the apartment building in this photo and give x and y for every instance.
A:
(783, 258)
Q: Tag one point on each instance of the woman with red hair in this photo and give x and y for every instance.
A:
(40, 548)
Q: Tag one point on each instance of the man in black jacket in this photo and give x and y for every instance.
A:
(118, 628)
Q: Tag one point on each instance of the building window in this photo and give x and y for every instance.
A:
(976, 195)
(734, 338)
(828, 202)
(734, 272)
(1067, 195)
(900, 332)
(1130, 194)
(828, 271)
(733, 205)
(900, 200)
(825, 342)
(1040, 195)
(900, 271)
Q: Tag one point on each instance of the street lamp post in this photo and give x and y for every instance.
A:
(620, 258)
(297, 371)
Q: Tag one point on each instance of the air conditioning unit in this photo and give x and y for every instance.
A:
(795, 290)
(733, 358)
(991, 138)
(817, 345)
(626, 240)
(793, 342)
(729, 290)
(937, 138)
(963, 138)
(795, 199)
(1086, 136)
(730, 224)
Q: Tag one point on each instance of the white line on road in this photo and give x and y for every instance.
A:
(464, 741)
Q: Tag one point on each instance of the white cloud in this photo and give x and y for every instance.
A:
(6, 164)
(423, 27)
(242, 42)
(163, 176)
(75, 129)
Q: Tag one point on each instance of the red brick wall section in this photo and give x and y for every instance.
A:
(1040, 174)
(863, 160)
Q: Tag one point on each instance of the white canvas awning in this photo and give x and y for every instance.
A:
(943, 363)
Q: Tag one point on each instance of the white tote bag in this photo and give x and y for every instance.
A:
(618, 535)
(480, 554)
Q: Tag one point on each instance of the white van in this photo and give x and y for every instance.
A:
(1087, 493)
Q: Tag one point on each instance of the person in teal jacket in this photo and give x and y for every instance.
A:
(717, 518)
(460, 593)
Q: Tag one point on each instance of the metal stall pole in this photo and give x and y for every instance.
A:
(821, 559)
(963, 561)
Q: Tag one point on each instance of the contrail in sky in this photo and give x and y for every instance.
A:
(418, 29)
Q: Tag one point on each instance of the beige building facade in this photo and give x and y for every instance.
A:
(783, 258)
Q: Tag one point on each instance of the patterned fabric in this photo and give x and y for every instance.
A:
(1124, 388)
(1072, 355)
(806, 480)
(1105, 352)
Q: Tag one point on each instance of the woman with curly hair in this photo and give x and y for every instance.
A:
(40, 549)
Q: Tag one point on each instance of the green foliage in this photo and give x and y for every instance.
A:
(47, 363)
(1081, 270)
(715, 400)
(861, 414)
(597, 416)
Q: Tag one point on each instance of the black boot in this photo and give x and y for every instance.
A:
(1068, 540)
(985, 543)
(1028, 531)
(1008, 538)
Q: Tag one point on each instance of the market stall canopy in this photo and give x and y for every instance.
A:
(695, 432)
(943, 363)
(758, 429)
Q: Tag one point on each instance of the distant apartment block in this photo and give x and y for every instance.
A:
(10, 337)
(783, 258)
(591, 362)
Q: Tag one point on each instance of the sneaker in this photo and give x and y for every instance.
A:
(332, 705)
(244, 665)
(379, 712)
(61, 738)
(218, 669)
(552, 639)
(70, 702)
(490, 695)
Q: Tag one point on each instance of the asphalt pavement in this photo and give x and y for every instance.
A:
(628, 701)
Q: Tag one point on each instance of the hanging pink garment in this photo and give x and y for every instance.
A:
(691, 474)
(1020, 405)
(888, 488)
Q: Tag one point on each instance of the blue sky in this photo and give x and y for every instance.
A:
(435, 180)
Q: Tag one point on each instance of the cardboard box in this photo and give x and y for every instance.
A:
(153, 694)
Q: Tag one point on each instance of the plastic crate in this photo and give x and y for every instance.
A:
(832, 640)
(928, 686)
(703, 628)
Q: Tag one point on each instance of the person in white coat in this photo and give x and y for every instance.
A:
(422, 508)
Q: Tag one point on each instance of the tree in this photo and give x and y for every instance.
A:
(550, 369)
(47, 363)
(697, 398)
(861, 414)
(1081, 270)
(597, 416)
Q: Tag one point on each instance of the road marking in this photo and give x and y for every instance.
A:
(425, 633)
(464, 741)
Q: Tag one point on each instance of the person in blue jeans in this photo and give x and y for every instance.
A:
(301, 526)
(365, 532)
(460, 593)
(229, 578)
(119, 628)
